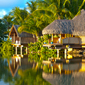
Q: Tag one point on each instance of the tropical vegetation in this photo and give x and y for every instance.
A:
(37, 15)
(40, 13)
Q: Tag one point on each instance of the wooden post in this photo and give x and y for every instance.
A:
(60, 38)
(65, 53)
(59, 68)
(14, 63)
(52, 68)
(26, 50)
(58, 53)
(20, 61)
(21, 50)
(16, 50)
(52, 37)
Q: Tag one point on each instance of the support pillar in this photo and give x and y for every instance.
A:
(58, 53)
(26, 50)
(16, 50)
(59, 69)
(14, 63)
(65, 53)
(21, 50)
(60, 38)
(52, 37)
(52, 68)
(20, 61)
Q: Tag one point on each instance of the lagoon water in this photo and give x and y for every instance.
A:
(76, 78)
(22, 72)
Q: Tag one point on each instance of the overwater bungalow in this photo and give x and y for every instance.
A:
(21, 39)
(67, 33)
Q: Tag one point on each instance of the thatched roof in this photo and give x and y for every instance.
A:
(75, 26)
(79, 24)
(23, 34)
(59, 27)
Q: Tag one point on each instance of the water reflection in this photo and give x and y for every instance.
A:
(16, 62)
(76, 78)
(66, 72)
(19, 71)
(5, 75)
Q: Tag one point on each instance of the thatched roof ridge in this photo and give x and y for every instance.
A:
(23, 34)
(76, 26)
(59, 27)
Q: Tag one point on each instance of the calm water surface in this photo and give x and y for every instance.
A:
(18, 71)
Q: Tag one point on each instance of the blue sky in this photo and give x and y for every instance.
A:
(7, 5)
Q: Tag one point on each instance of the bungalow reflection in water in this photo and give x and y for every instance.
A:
(19, 63)
(66, 66)
(74, 75)
(16, 62)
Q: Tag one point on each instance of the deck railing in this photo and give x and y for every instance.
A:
(16, 42)
(72, 40)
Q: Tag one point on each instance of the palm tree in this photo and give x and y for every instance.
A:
(61, 9)
(75, 7)
(35, 21)
(32, 6)
(18, 15)
(56, 8)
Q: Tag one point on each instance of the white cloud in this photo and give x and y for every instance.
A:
(2, 13)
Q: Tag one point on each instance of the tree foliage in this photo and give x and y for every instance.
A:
(3, 29)
(43, 12)
(30, 77)
(18, 15)
(6, 49)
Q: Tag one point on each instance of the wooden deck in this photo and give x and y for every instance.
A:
(54, 44)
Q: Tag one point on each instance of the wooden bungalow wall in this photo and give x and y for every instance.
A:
(16, 39)
(26, 40)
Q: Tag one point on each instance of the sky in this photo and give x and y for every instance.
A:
(7, 5)
(2, 83)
